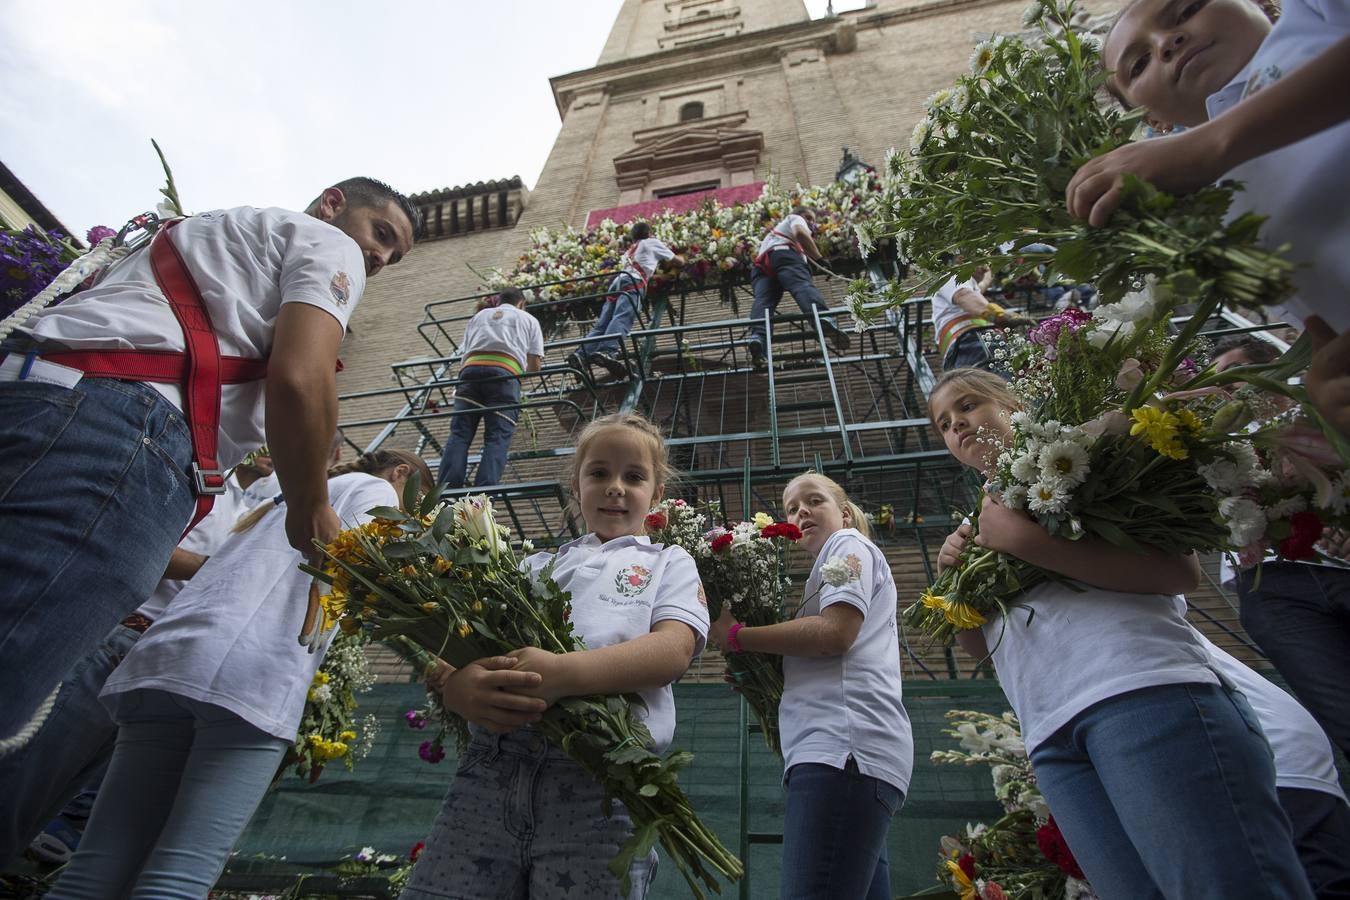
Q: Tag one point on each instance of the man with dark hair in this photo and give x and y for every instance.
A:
(780, 265)
(627, 290)
(1243, 350)
(123, 405)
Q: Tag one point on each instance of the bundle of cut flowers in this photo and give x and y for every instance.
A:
(328, 727)
(1123, 436)
(985, 174)
(447, 580)
(741, 566)
(1023, 854)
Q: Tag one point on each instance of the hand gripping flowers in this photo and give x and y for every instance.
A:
(448, 580)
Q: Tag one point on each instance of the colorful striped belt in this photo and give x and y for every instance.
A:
(957, 327)
(491, 358)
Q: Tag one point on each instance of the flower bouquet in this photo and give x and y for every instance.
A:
(446, 579)
(1114, 442)
(741, 566)
(328, 727)
(1023, 854)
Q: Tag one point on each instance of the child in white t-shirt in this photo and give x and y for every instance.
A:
(848, 750)
(1264, 105)
(208, 701)
(522, 819)
(1160, 777)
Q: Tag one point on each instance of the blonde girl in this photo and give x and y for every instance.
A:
(1156, 770)
(847, 746)
(521, 819)
(208, 701)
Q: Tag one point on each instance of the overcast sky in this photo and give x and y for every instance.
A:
(264, 103)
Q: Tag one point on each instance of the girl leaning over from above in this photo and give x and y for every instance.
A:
(522, 819)
(1154, 766)
(209, 699)
(847, 748)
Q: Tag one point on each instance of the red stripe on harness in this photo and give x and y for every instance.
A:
(200, 370)
(641, 282)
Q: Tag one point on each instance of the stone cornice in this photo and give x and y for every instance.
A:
(739, 51)
(468, 190)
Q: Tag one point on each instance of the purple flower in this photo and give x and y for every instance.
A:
(415, 719)
(1047, 332)
(431, 751)
(98, 233)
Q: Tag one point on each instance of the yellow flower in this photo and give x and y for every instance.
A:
(933, 601)
(430, 606)
(464, 630)
(963, 615)
(1159, 428)
(964, 886)
(348, 736)
(321, 678)
(1190, 421)
(763, 520)
(477, 606)
(408, 571)
(441, 566)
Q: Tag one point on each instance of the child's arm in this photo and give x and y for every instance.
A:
(651, 661)
(1299, 105)
(972, 641)
(489, 692)
(831, 633)
(1328, 379)
(184, 564)
(1089, 560)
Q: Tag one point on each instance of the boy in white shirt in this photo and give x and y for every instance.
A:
(100, 470)
(628, 290)
(1266, 106)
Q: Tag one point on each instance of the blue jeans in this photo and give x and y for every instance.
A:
(616, 317)
(69, 752)
(1321, 824)
(184, 780)
(1300, 618)
(834, 833)
(791, 274)
(94, 496)
(522, 820)
(1169, 791)
(479, 387)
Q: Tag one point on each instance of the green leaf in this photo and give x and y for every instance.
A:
(388, 512)
(411, 489)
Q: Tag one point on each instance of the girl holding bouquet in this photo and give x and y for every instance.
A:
(847, 747)
(208, 701)
(522, 819)
(1157, 771)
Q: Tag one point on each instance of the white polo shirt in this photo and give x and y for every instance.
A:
(1303, 755)
(944, 307)
(247, 262)
(229, 637)
(836, 707)
(504, 329)
(650, 253)
(1304, 187)
(620, 589)
(783, 236)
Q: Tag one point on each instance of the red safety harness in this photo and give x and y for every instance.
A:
(762, 261)
(199, 371)
(641, 282)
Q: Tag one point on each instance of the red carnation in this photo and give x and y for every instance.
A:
(782, 530)
(656, 521)
(721, 542)
(1305, 530)
(416, 850)
(1056, 849)
(967, 864)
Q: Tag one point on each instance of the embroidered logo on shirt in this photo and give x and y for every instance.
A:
(498, 314)
(702, 596)
(632, 580)
(1261, 79)
(854, 564)
(341, 288)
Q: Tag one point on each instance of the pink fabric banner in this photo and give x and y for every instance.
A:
(727, 196)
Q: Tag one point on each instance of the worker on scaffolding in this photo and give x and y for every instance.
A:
(781, 265)
(964, 320)
(627, 292)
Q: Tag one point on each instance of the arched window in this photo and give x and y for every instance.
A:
(691, 111)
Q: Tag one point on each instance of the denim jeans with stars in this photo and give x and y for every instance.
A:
(522, 820)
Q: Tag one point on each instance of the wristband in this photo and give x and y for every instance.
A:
(733, 642)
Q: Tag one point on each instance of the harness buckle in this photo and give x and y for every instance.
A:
(208, 481)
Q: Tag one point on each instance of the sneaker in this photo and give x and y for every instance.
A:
(610, 364)
(757, 353)
(576, 362)
(57, 842)
(836, 335)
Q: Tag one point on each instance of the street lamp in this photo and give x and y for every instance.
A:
(851, 168)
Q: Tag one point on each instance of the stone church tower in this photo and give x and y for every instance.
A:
(688, 96)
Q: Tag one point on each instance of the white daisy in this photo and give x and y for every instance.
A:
(1064, 462)
(1048, 498)
(1015, 497)
(1025, 468)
